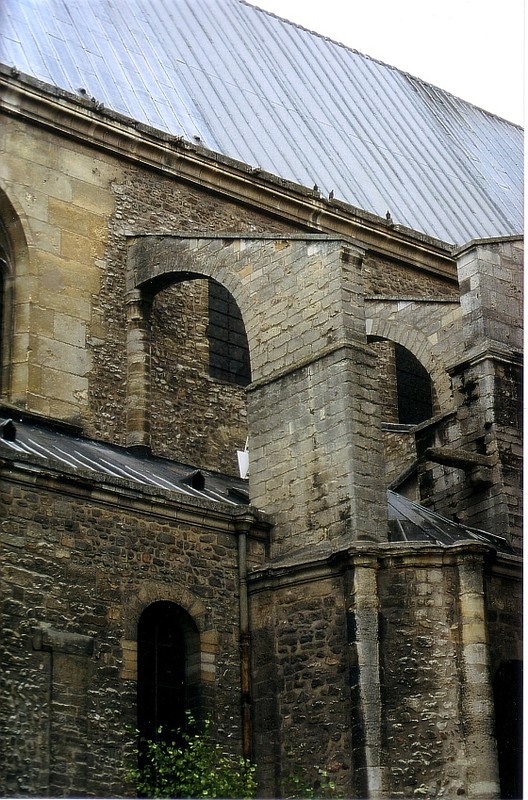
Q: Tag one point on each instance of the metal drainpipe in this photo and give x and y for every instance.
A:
(243, 526)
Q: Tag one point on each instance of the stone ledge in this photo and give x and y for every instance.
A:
(75, 644)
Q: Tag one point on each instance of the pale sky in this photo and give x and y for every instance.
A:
(472, 48)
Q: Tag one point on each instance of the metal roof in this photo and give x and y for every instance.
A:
(408, 521)
(256, 88)
(76, 453)
(411, 522)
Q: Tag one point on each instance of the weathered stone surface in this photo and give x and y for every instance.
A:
(372, 660)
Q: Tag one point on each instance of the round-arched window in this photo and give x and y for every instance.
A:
(167, 646)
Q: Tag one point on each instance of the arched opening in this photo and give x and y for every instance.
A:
(198, 367)
(507, 695)
(405, 386)
(5, 311)
(228, 344)
(168, 669)
(414, 388)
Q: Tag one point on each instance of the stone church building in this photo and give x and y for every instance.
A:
(224, 238)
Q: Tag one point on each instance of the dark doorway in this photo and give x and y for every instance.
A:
(507, 694)
(165, 637)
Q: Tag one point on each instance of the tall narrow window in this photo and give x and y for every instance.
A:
(228, 345)
(508, 697)
(166, 639)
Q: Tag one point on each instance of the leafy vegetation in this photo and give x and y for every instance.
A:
(191, 765)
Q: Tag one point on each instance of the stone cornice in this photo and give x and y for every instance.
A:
(475, 243)
(65, 114)
(386, 555)
(487, 350)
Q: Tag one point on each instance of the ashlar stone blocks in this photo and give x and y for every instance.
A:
(315, 442)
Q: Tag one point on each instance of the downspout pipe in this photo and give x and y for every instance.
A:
(243, 527)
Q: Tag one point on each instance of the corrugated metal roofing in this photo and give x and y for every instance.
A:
(409, 522)
(269, 93)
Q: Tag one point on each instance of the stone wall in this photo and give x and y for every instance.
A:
(79, 207)
(80, 562)
(194, 418)
(485, 491)
(368, 659)
(420, 680)
(375, 664)
(301, 673)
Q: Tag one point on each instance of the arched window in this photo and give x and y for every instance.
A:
(415, 400)
(405, 387)
(228, 345)
(195, 364)
(4, 315)
(168, 651)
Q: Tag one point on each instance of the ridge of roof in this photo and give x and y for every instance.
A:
(380, 61)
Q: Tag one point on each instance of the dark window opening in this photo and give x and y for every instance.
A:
(228, 345)
(166, 641)
(507, 694)
(415, 398)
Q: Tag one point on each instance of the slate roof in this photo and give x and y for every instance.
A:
(264, 91)
(42, 442)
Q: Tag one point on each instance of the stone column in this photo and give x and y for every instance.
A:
(315, 432)
(363, 615)
(488, 382)
(477, 696)
(138, 370)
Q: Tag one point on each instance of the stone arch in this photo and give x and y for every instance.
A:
(151, 592)
(153, 267)
(420, 347)
(202, 668)
(301, 301)
(14, 278)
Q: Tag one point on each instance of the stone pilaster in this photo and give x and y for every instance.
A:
(363, 615)
(138, 370)
(477, 699)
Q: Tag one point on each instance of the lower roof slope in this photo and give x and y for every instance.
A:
(42, 442)
(256, 88)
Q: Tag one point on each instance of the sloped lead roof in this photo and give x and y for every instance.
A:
(262, 90)
(409, 522)
(76, 453)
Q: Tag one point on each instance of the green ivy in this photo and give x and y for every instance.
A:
(192, 765)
